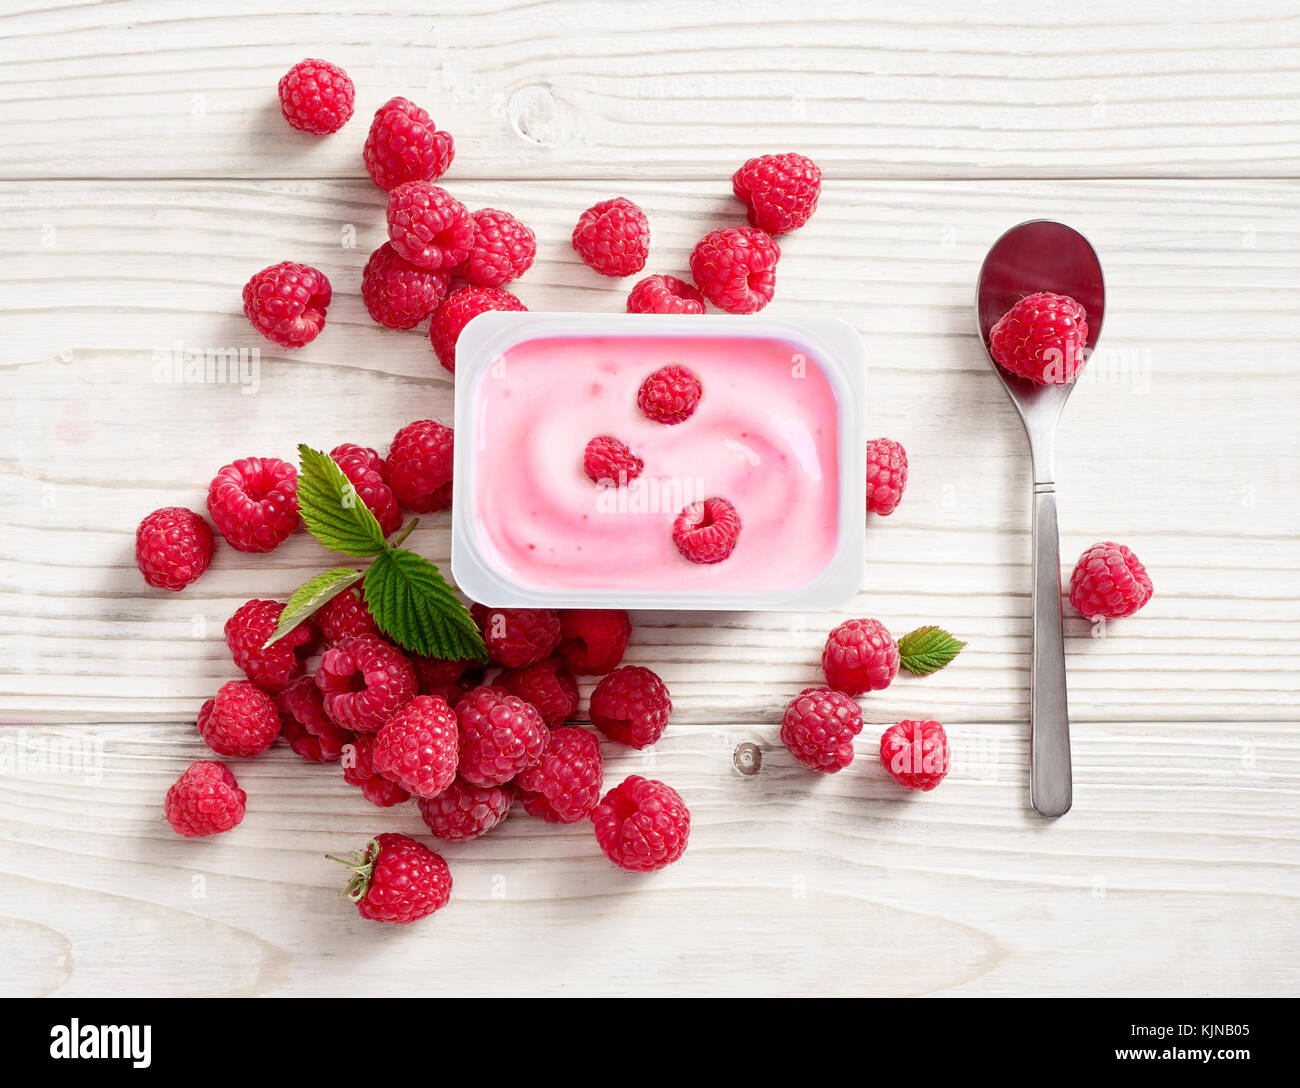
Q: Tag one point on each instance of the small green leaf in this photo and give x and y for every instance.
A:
(927, 650)
(331, 509)
(310, 596)
(413, 604)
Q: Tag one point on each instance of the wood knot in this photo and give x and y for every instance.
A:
(748, 758)
(536, 115)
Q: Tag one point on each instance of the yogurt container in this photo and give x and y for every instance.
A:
(780, 432)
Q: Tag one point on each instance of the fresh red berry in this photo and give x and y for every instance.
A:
(819, 726)
(707, 532)
(780, 191)
(613, 237)
(503, 249)
(461, 307)
(449, 680)
(286, 303)
(396, 879)
(364, 469)
(464, 811)
(365, 681)
(916, 754)
(664, 295)
(735, 269)
(397, 293)
(548, 685)
(419, 465)
(631, 706)
(269, 667)
(1109, 581)
(1042, 337)
(516, 637)
(254, 503)
(564, 785)
(886, 475)
(405, 145)
(428, 226)
(359, 770)
(345, 616)
(173, 546)
(240, 720)
(609, 462)
(500, 735)
(642, 824)
(860, 655)
(205, 800)
(317, 97)
(669, 395)
(417, 747)
(304, 724)
(594, 640)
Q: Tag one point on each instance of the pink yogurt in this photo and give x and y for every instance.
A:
(764, 436)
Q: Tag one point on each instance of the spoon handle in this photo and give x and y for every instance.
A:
(1050, 790)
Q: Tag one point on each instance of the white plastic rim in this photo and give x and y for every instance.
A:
(834, 343)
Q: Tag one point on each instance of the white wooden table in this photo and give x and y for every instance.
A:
(145, 173)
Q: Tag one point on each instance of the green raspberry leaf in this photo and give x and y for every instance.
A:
(310, 596)
(413, 604)
(331, 509)
(927, 650)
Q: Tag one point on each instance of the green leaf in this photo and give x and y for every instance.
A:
(927, 650)
(310, 596)
(331, 509)
(413, 604)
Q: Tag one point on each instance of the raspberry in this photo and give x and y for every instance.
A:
(205, 800)
(516, 637)
(1109, 581)
(359, 770)
(271, 668)
(594, 640)
(397, 293)
(564, 785)
(500, 735)
(631, 706)
(449, 680)
(503, 249)
(463, 811)
(317, 97)
(419, 466)
(461, 307)
(735, 269)
(916, 754)
(548, 685)
(886, 475)
(819, 727)
(417, 747)
(860, 655)
(396, 879)
(345, 616)
(706, 532)
(365, 681)
(1042, 337)
(405, 145)
(254, 503)
(173, 546)
(642, 824)
(613, 237)
(609, 462)
(780, 191)
(664, 295)
(428, 226)
(304, 724)
(286, 303)
(365, 472)
(669, 395)
(240, 720)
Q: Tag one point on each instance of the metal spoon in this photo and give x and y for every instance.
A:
(1042, 255)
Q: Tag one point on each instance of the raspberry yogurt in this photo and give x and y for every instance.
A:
(778, 432)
